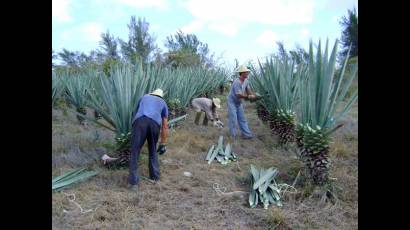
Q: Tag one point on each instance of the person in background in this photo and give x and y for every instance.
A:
(208, 106)
(240, 89)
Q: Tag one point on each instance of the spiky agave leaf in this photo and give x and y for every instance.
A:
(76, 85)
(277, 80)
(321, 93)
(57, 88)
(71, 177)
(115, 98)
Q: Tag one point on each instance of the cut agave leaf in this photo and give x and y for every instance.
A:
(221, 142)
(208, 156)
(228, 150)
(78, 178)
(213, 155)
(219, 158)
(269, 173)
(254, 173)
(66, 175)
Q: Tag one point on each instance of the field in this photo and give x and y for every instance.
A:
(181, 202)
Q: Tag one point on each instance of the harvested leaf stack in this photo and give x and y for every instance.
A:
(263, 187)
(221, 155)
(71, 177)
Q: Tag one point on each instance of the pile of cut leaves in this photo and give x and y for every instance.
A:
(71, 178)
(263, 188)
(218, 153)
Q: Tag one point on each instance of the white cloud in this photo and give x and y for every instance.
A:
(305, 33)
(159, 4)
(335, 18)
(228, 28)
(220, 14)
(267, 38)
(66, 35)
(340, 4)
(271, 12)
(89, 32)
(60, 10)
(192, 27)
(155, 27)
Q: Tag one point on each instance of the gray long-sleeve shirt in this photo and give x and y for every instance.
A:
(205, 105)
(238, 87)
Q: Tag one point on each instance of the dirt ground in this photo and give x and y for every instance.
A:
(181, 202)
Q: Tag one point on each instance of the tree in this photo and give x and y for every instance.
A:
(282, 53)
(69, 58)
(109, 55)
(108, 45)
(54, 56)
(187, 50)
(77, 60)
(158, 57)
(298, 55)
(349, 34)
(140, 43)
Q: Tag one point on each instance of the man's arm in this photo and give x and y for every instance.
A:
(238, 91)
(164, 131)
(249, 94)
(241, 95)
(250, 91)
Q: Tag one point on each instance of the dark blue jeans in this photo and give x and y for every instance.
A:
(144, 128)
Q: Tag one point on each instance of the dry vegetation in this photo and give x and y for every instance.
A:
(180, 202)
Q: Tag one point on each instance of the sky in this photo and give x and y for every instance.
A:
(233, 29)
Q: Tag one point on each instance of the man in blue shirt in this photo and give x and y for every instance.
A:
(240, 89)
(151, 116)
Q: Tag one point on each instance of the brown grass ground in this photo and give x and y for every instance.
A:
(180, 202)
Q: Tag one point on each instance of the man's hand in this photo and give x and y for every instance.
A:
(162, 148)
(251, 96)
(218, 124)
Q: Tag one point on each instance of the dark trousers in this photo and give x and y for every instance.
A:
(143, 129)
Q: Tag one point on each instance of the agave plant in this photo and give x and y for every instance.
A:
(57, 88)
(115, 98)
(184, 84)
(321, 94)
(76, 86)
(277, 80)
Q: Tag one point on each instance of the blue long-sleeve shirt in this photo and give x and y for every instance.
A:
(153, 107)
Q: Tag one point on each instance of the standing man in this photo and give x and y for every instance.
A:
(151, 116)
(240, 89)
(203, 104)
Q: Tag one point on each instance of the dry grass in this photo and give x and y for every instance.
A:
(180, 202)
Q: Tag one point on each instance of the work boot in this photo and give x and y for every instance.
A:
(246, 137)
(133, 187)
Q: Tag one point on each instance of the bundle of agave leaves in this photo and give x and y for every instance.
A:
(321, 93)
(264, 189)
(218, 153)
(70, 178)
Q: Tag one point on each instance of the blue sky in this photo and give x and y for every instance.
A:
(242, 29)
